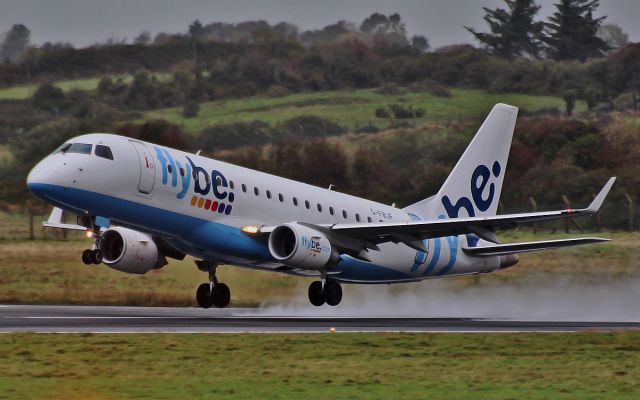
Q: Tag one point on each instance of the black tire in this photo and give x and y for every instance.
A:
(332, 293)
(221, 295)
(87, 257)
(203, 295)
(97, 256)
(316, 297)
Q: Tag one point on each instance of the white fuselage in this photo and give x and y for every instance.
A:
(199, 205)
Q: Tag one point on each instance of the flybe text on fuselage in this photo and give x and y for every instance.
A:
(205, 183)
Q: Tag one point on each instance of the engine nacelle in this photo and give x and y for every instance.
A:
(130, 251)
(302, 247)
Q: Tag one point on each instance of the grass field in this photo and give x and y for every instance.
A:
(26, 91)
(351, 108)
(50, 272)
(320, 366)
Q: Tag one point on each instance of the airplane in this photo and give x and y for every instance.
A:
(142, 203)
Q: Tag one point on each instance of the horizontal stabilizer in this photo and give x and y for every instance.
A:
(512, 248)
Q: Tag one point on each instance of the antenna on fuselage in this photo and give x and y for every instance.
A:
(198, 152)
(330, 186)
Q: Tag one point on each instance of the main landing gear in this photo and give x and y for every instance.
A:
(92, 256)
(213, 293)
(330, 292)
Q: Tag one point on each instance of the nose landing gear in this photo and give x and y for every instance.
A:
(213, 293)
(330, 292)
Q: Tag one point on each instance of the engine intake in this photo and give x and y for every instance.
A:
(130, 251)
(300, 246)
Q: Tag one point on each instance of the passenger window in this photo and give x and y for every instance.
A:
(256, 191)
(319, 207)
(244, 188)
(295, 201)
(81, 148)
(181, 171)
(268, 194)
(306, 204)
(357, 217)
(280, 197)
(344, 214)
(368, 219)
(218, 181)
(231, 185)
(169, 169)
(331, 210)
(104, 152)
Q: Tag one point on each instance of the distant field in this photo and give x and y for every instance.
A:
(321, 366)
(352, 109)
(50, 272)
(26, 91)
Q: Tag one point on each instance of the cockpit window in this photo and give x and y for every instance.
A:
(104, 152)
(63, 148)
(82, 148)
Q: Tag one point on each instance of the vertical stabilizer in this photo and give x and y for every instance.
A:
(474, 185)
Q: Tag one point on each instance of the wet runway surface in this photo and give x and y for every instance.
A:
(33, 318)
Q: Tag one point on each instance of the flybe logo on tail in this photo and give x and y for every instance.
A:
(205, 183)
(482, 192)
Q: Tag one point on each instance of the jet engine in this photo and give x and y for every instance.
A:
(130, 251)
(300, 246)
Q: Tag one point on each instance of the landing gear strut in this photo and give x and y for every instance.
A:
(330, 292)
(94, 254)
(213, 293)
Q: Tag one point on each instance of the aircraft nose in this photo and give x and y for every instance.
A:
(40, 176)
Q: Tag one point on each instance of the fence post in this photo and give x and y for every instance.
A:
(534, 208)
(567, 203)
(631, 211)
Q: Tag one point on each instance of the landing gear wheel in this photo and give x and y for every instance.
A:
(87, 257)
(316, 296)
(221, 295)
(203, 295)
(332, 292)
(97, 256)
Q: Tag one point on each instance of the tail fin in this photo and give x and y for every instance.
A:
(473, 187)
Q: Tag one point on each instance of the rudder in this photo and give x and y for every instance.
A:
(473, 188)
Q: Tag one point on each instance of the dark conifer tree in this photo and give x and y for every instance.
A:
(513, 31)
(572, 31)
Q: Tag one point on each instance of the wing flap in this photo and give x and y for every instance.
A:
(513, 248)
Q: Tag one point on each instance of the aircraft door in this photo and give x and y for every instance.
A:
(147, 168)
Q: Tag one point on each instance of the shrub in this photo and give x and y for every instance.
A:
(310, 126)
(399, 111)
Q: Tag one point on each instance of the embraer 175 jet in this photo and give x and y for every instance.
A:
(142, 203)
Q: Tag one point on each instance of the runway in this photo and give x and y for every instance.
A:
(100, 319)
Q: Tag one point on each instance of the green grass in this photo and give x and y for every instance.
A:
(26, 91)
(351, 108)
(50, 272)
(320, 366)
(85, 84)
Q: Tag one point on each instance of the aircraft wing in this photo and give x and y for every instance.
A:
(412, 233)
(484, 227)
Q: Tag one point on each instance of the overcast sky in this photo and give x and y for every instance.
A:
(83, 22)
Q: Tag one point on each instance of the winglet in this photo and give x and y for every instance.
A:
(599, 199)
